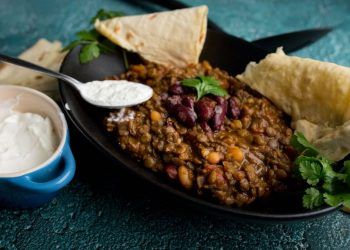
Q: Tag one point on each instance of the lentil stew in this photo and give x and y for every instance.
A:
(234, 149)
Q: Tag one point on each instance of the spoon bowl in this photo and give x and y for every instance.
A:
(103, 93)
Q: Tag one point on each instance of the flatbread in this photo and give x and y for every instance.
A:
(171, 38)
(44, 53)
(331, 142)
(315, 94)
(303, 88)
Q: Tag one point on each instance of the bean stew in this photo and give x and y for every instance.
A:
(234, 149)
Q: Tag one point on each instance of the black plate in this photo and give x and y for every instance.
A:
(225, 52)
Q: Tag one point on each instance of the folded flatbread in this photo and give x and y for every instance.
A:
(315, 94)
(171, 38)
(44, 53)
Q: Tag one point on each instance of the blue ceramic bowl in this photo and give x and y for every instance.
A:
(33, 187)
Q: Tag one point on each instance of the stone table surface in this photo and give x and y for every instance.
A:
(105, 207)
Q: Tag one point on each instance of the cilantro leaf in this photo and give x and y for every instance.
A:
(72, 45)
(337, 199)
(107, 46)
(310, 169)
(327, 184)
(335, 187)
(302, 145)
(89, 52)
(87, 35)
(312, 198)
(330, 175)
(346, 171)
(93, 43)
(205, 85)
(209, 79)
(103, 14)
(191, 82)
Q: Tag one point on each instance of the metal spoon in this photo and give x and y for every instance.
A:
(113, 102)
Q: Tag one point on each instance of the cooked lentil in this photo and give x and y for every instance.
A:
(236, 162)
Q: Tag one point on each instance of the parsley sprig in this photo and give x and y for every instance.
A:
(205, 85)
(93, 44)
(327, 184)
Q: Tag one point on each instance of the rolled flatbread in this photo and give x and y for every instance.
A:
(171, 38)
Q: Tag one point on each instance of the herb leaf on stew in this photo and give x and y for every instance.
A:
(205, 85)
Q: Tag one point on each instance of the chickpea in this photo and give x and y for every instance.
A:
(185, 177)
(138, 68)
(236, 124)
(236, 153)
(149, 162)
(156, 116)
(204, 152)
(213, 157)
(212, 177)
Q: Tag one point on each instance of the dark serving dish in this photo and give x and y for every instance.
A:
(223, 51)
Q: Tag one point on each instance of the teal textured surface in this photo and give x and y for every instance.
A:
(124, 212)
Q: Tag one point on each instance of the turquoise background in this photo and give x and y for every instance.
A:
(107, 208)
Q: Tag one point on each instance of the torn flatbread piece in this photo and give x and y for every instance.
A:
(171, 38)
(334, 143)
(303, 88)
(315, 94)
(44, 53)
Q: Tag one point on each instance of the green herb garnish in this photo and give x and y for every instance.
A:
(312, 198)
(103, 14)
(327, 185)
(93, 44)
(205, 85)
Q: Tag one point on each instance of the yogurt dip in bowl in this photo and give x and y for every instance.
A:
(35, 157)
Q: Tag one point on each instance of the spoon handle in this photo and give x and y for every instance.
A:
(25, 64)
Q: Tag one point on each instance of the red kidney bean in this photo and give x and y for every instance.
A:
(164, 96)
(220, 179)
(188, 101)
(233, 108)
(209, 168)
(219, 99)
(171, 171)
(176, 89)
(185, 115)
(204, 125)
(291, 152)
(172, 101)
(205, 108)
(220, 111)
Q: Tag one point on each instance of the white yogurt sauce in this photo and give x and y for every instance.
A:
(122, 116)
(26, 140)
(115, 93)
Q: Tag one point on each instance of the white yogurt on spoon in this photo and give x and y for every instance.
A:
(115, 94)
